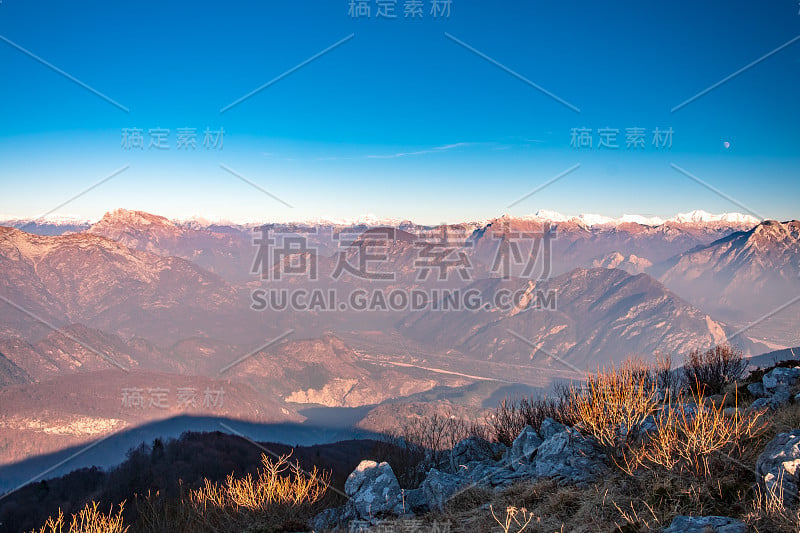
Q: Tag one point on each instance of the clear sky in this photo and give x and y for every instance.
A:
(425, 118)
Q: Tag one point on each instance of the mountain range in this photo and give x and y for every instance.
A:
(137, 300)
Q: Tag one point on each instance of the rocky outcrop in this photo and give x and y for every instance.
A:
(469, 450)
(373, 491)
(555, 451)
(775, 387)
(523, 449)
(570, 457)
(439, 487)
(778, 467)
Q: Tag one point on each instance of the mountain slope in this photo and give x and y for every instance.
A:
(82, 278)
(630, 264)
(602, 315)
(11, 374)
(744, 275)
(227, 254)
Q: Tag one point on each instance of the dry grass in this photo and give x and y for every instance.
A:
(647, 501)
(768, 512)
(784, 419)
(548, 507)
(88, 520)
(513, 520)
(270, 488)
(280, 496)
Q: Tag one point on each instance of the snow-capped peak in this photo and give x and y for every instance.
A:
(693, 217)
(361, 220)
(698, 216)
(591, 219)
(643, 220)
(544, 214)
(553, 216)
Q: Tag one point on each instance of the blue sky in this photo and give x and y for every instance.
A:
(399, 120)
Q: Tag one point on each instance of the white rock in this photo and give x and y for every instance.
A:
(778, 467)
(373, 490)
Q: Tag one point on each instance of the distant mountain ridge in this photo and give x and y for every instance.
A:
(71, 224)
(602, 315)
(748, 272)
(693, 217)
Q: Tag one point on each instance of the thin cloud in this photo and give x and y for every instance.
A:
(435, 149)
(454, 145)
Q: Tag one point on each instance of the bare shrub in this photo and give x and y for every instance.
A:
(269, 488)
(423, 442)
(438, 432)
(157, 513)
(88, 520)
(698, 438)
(511, 416)
(614, 404)
(668, 380)
(710, 371)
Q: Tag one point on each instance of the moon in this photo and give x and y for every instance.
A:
(726, 144)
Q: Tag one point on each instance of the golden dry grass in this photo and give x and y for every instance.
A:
(88, 520)
(280, 496)
(272, 486)
(769, 513)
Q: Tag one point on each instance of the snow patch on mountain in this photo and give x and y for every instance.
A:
(141, 218)
(699, 216)
(693, 217)
(639, 219)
